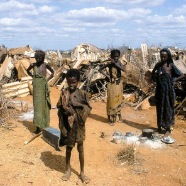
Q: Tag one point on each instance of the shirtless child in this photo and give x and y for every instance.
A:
(73, 110)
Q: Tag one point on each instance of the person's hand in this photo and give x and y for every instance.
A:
(112, 61)
(175, 80)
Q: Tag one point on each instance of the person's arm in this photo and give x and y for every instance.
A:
(153, 72)
(29, 69)
(51, 70)
(176, 73)
(59, 104)
(103, 67)
(180, 77)
(87, 100)
(120, 66)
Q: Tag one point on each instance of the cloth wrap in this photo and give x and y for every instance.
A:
(165, 95)
(41, 100)
(114, 97)
(73, 110)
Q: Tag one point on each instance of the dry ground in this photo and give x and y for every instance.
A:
(39, 164)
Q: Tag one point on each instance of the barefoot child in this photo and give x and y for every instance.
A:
(41, 96)
(114, 87)
(73, 110)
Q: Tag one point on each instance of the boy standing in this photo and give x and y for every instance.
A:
(73, 110)
(41, 97)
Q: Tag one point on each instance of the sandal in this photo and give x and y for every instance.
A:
(167, 140)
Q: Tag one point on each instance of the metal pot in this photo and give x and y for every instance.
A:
(143, 139)
(147, 133)
(129, 134)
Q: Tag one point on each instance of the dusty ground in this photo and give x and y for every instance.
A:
(40, 164)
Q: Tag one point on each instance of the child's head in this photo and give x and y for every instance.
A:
(115, 54)
(39, 56)
(73, 78)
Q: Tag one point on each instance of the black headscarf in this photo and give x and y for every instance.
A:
(170, 60)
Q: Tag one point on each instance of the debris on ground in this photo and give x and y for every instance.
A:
(138, 89)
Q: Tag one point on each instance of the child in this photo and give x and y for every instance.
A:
(73, 110)
(41, 97)
(165, 73)
(114, 87)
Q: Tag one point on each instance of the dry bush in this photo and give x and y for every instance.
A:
(127, 154)
(6, 113)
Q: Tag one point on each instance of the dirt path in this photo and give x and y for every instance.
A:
(40, 164)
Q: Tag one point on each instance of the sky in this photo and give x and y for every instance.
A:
(64, 24)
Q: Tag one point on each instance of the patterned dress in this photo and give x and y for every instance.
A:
(114, 91)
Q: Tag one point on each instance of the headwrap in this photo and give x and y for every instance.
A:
(169, 60)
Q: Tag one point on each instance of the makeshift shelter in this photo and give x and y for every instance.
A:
(3, 53)
(87, 52)
(28, 51)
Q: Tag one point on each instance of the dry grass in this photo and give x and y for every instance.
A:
(127, 154)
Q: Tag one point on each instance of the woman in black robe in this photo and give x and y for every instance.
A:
(165, 73)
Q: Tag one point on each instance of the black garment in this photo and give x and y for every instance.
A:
(165, 94)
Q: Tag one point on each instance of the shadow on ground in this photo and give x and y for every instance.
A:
(55, 162)
(98, 118)
(29, 125)
(137, 125)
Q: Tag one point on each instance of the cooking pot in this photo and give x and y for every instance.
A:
(147, 133)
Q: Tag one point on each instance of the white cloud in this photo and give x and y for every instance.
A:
(46, 9)
(169, 20)
(144, 3)
(72, 29)
(180, 10)
(10, 22)
(39, 1)
(15, 5)
(113, 22)
(16, 8)
(98, 16)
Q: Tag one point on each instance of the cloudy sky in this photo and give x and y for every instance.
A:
(63, 24)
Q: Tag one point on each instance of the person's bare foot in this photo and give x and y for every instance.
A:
(38, 130)
(120, 121)
(66, 176)
(111, 123)
(167, 133)
(84, 178)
